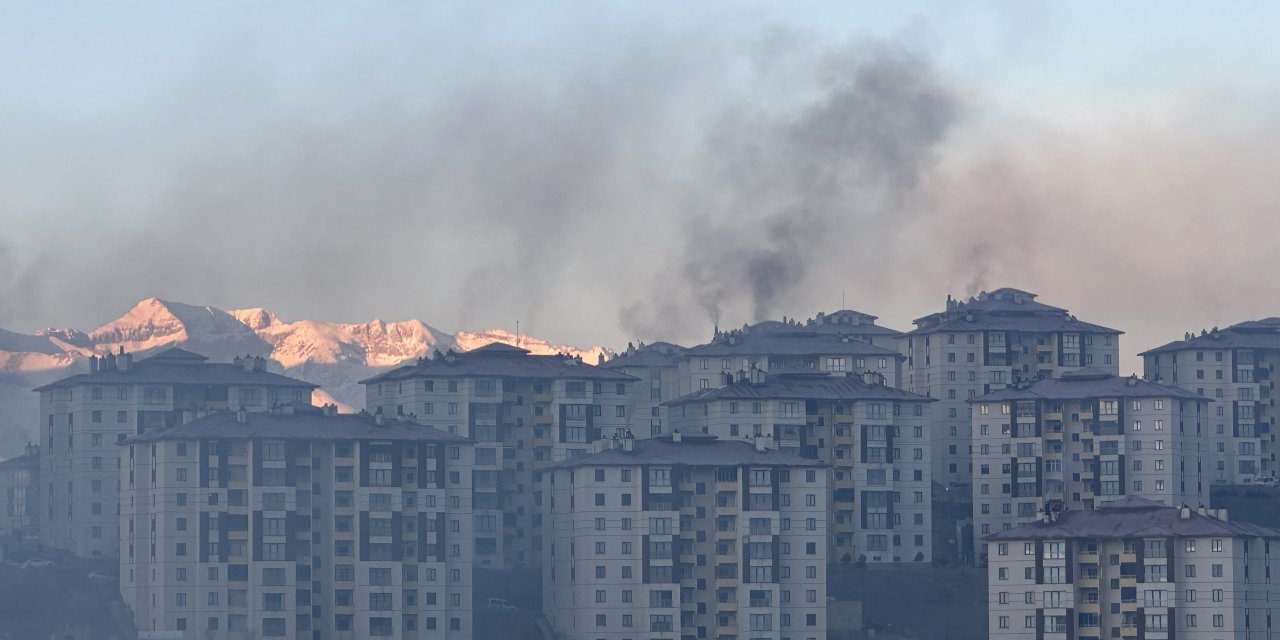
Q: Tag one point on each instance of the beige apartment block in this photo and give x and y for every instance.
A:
(656, 369)
(19, 494)
(1234, 368)
(873, 437)
(1082, 439)
(686, 537)
(84, 417)
(988, 342)
(1134, 569)
(840, 343)
(298, 523)
(524, 413)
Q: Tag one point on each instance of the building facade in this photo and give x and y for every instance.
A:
(19, 494)
(1081, 439)
(1134, 569)
(988, 342)
(686, 537)
(298, 523)
(656, 369)
(840, 343)
(1234, 368)
(873, 436)
(85, 416)
(524, 412)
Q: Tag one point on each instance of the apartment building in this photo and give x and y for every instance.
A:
(987, 342)
(656, 369)
(873, 436)
(1081, 439)
(524, 412)
(1134, 568)
(1234, 368)
(686, 536)
(19, 494)
(839, 343)
(298, 523)
(84, 417)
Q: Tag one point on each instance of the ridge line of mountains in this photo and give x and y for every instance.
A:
(333, 355)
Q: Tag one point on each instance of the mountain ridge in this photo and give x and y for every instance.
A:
(335, 355)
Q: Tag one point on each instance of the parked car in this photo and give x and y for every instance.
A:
(500, 604)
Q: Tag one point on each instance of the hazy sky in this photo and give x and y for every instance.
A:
(602, 172)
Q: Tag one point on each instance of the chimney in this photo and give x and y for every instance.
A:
(126, 360)
(247, 363)
(1184, 513)
(93, 364)
(628, 443)
(32, 449)
(1221, 514)
(189, 415)
(675, 436)
(242, 416)
(330, 409)
(600, 360)
(109, 362)
(259, 364)
(379, 419)
(1202, 510)
(761, 442)
(871, 378)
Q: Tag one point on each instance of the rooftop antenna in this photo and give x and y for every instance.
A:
(517, 334)
(842, 302)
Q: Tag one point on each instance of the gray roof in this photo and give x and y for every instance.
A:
(1252, 334)
(805, 385)
(303, 423)
(693, 450)
(1132, 517)
(500, 360)
(1004, 310)
(1090, 383)
(657, 354)
(26, 460)
(179, 366)
(788, 340)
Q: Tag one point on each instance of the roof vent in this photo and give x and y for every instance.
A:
(1184, 513)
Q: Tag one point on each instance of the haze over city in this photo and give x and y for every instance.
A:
(607, 172)
(568, 320)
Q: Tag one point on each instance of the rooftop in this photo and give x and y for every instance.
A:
(693, 450)
(1089, 383)
(803, 384)
(302, 423)
(176, 366)
(1133, 517)
(26, 460)
(1004, 309)
(657, 354)
(1251, 334)
(500, 361)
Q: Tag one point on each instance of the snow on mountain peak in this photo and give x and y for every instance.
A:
(256, 318)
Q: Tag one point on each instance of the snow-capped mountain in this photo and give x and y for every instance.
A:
(332, 354)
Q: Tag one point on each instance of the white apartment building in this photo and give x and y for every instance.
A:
(1081, 439)
(873, 436)
(299, 523)
(839, 343)
(524, 412)
(84, 417)
(1234, 368)
(656, 369)
(686, 536)
(19, 494)
(985, 343)
(1134, 569)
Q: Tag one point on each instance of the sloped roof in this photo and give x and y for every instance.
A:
(500, 361)
(25, 460)
(1004, 309)
(693, 450)
(1132, 517)
(805, 385)
(1253, 334)
(179, 366)
(303, 424)
(791, 341)
(1090, 383)
(657, 354)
